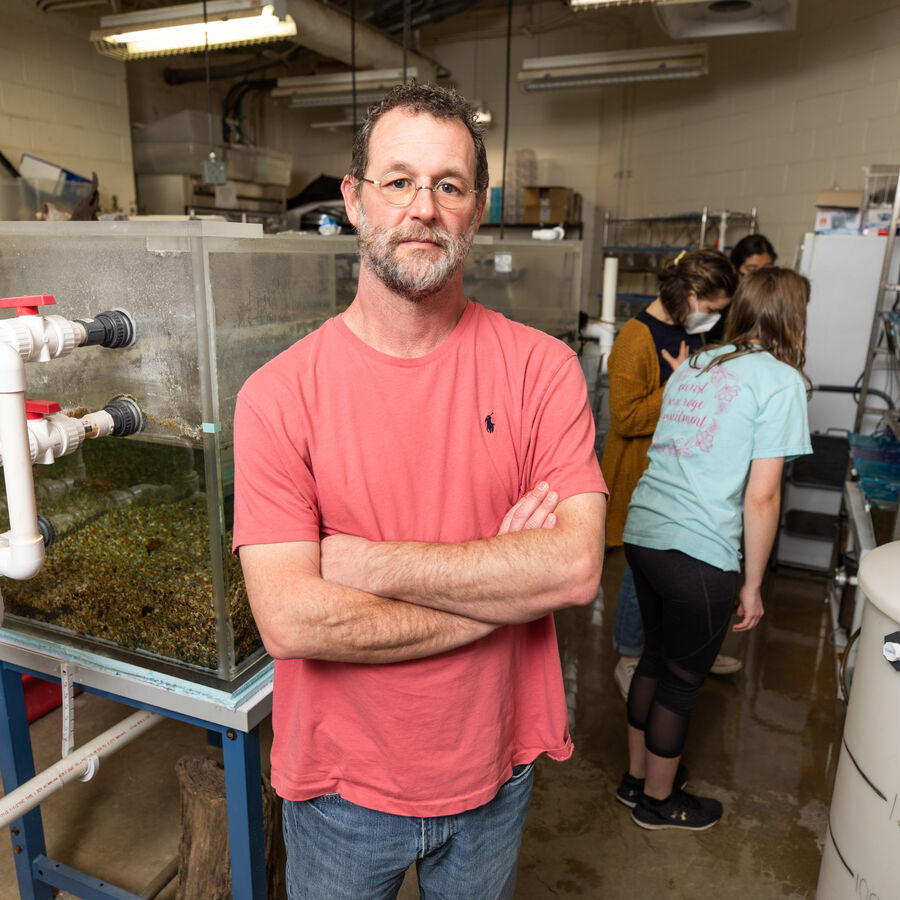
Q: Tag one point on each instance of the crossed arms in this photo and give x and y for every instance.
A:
(347, 599)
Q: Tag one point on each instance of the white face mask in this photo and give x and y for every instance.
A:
(698, 322)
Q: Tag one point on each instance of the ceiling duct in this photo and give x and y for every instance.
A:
(327, 31)
(713, 18)
(583, 70)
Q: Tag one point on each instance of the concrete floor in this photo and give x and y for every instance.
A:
(764, 741)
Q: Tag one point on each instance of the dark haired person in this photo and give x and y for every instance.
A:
(751, 253)
(416, 491)
(693, 291)
(730, 418)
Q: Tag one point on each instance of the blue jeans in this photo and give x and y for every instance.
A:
(339, 851)
(628, 631)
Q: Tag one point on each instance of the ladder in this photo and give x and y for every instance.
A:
(883, 338)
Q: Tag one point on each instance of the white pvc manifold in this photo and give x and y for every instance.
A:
(58, 435)
(80, 762)
(22, 547)
(41, 338)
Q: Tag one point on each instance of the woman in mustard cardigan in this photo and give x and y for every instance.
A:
(692, 292)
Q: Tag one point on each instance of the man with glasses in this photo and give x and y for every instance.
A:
(416, 493)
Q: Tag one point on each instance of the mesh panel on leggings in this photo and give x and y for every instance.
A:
(670, 713)
(640, 696)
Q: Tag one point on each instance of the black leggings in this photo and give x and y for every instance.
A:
(685, 605)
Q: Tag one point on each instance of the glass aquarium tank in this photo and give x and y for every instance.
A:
(531, 281)
(141, 569)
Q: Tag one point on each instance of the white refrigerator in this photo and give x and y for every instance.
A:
(844, 271)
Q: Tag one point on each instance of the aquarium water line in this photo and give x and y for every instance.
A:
(33, 435)
(80, 764)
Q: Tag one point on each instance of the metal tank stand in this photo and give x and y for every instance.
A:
(231, 718)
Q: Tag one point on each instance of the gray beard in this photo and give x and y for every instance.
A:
(419, 275)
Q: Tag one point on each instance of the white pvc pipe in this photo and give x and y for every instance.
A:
(76, 765)
(610, 281)
(22, 547)
(608, 307)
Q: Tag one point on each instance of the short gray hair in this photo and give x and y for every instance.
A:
(422, 99)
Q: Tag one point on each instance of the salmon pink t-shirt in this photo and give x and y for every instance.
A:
(333, 436)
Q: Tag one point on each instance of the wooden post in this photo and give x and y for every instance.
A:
(204, 869)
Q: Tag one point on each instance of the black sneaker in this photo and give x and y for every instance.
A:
(679, 810)
(631, 788)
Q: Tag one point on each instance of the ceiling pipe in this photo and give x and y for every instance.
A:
(433, 15)
(186, 75)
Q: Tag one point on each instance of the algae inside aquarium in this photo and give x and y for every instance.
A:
(130, 564)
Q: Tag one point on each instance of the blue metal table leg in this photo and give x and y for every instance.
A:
(17, 767)
(243, 793)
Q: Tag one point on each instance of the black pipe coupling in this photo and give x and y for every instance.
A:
(46, 530)
(113, 328)
(126, 415)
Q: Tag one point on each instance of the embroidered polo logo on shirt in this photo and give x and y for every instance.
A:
(488, 423)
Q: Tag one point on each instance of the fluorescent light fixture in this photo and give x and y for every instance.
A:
(347, 123)
(598, 4)
(616, 67)
(336, 89)
(181, 29)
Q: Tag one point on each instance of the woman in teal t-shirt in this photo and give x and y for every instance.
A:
(730, 418)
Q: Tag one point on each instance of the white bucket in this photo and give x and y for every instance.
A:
(861, 859)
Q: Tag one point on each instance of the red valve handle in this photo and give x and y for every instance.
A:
(27, 306)
(37, 409)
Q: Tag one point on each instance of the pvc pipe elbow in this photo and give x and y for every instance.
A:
(21, 558)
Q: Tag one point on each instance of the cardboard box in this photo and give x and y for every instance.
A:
(551, 205)
(839, 199)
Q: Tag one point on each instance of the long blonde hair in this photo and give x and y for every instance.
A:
(768, 312)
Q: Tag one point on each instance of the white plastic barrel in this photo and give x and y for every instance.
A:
(861, 858)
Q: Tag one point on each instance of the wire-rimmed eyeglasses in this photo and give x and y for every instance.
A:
(399, 189)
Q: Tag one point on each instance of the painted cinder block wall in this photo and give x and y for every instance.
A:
(780, 116)
(63, 102)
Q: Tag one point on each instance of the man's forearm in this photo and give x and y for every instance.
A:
(317, 620)
(509, 578)
(386, 631)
